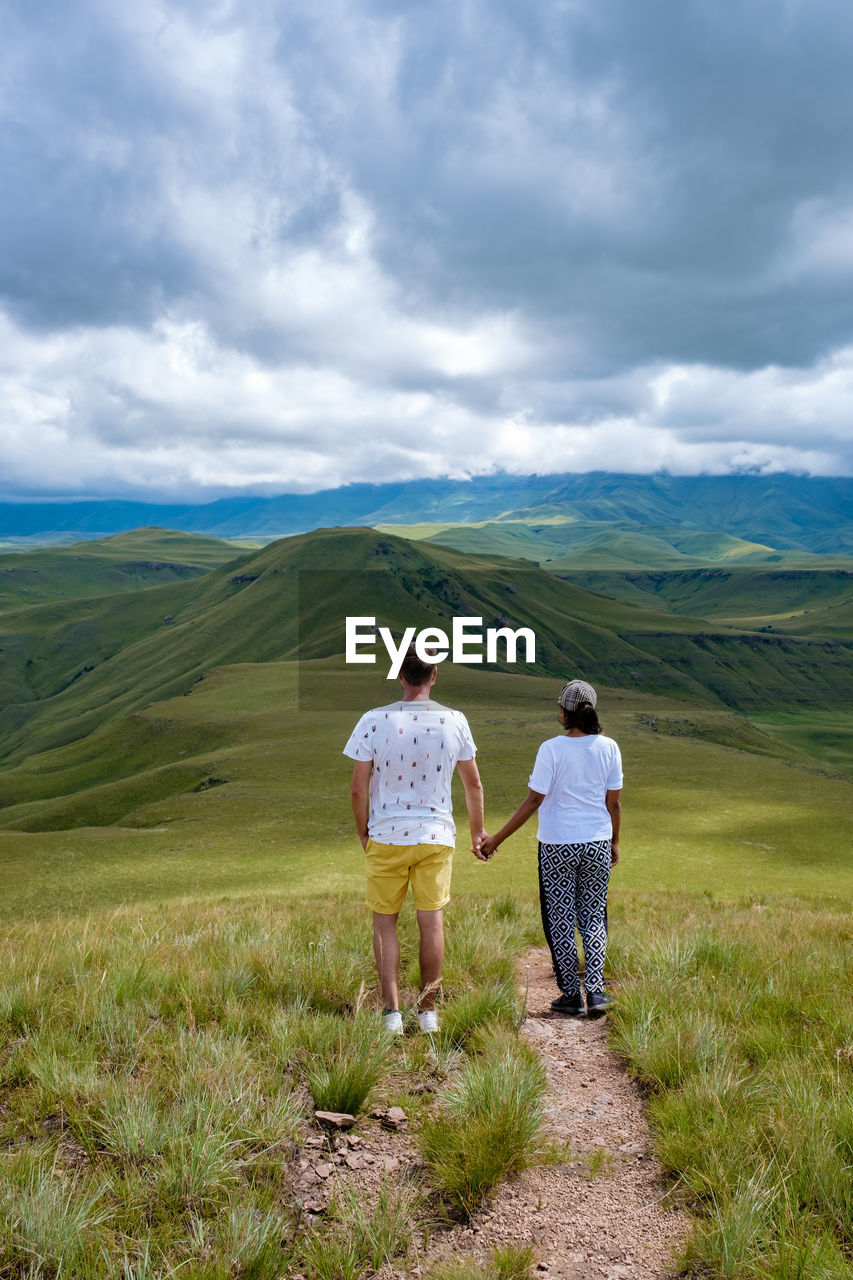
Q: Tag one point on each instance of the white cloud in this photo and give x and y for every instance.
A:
(279, 248)
(172, 412)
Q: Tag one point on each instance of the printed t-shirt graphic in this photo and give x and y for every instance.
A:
(414, 747)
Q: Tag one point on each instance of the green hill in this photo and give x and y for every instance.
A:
(562, 542)
(813, 602)
(125, 562)
(78, 675)
(70, 666)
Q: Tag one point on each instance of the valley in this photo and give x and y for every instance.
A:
(158, 741)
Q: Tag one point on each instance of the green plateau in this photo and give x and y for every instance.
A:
(123, 562)
(184, 738)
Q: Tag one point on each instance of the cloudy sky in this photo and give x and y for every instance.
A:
(253, 246)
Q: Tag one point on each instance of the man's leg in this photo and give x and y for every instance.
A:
(386, 949)
(431, 927)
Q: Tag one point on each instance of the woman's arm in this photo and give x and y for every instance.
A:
(613, 801)
(525, 810)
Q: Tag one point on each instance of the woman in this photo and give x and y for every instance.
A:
(576, 786)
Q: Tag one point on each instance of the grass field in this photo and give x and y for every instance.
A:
(738, 1021)
(159, 1071)
(147, 1123)
(699, 815)
(182, 904)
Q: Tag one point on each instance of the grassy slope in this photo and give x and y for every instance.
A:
(125, 562)
(105, 796)
(817, 601)
(699, 816)
(703, 575)
(159, 1071)
(730, 1016)
(72, 668)
(92, 661)
(563, 542)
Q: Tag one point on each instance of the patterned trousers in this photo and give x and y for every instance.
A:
(573, 882)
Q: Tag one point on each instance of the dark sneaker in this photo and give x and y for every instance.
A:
(597, 1003)
(571, 1006)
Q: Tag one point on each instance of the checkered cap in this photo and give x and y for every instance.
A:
(576, 692)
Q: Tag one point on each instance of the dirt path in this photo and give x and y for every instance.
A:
(603, 1214)
(612, 1223)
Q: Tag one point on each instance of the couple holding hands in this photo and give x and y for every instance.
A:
(404, 756)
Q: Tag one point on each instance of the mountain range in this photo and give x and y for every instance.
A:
(639, 518)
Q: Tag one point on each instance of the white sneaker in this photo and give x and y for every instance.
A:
(393, 1022)
(428, 1021)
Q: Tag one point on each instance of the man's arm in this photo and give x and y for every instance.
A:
(613, 800)
(360, 797)
(470, 775)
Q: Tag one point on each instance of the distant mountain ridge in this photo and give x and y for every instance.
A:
(76, 673)
(789, 512)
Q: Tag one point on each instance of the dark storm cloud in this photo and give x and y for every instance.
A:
(633, 173)
(240, 241)
(107, 132)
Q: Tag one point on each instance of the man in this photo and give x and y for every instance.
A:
(404, 756)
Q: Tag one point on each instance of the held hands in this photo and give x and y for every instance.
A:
(488, 846)
(477, 846)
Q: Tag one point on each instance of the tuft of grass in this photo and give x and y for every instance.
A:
(51, 1223)
(492, 1003)
(131, 1123)
(346, 1060)
(257, 1244)
(358, 1240)
(385, 1232)
(333, 1257)
(489, 1124)
(507, 1262)
(505, 907)
(598, 1163)
(200, 1167)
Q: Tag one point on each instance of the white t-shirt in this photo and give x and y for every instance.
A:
(414, 747)
(573, 774)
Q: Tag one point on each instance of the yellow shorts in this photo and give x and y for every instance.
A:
(392, 867)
